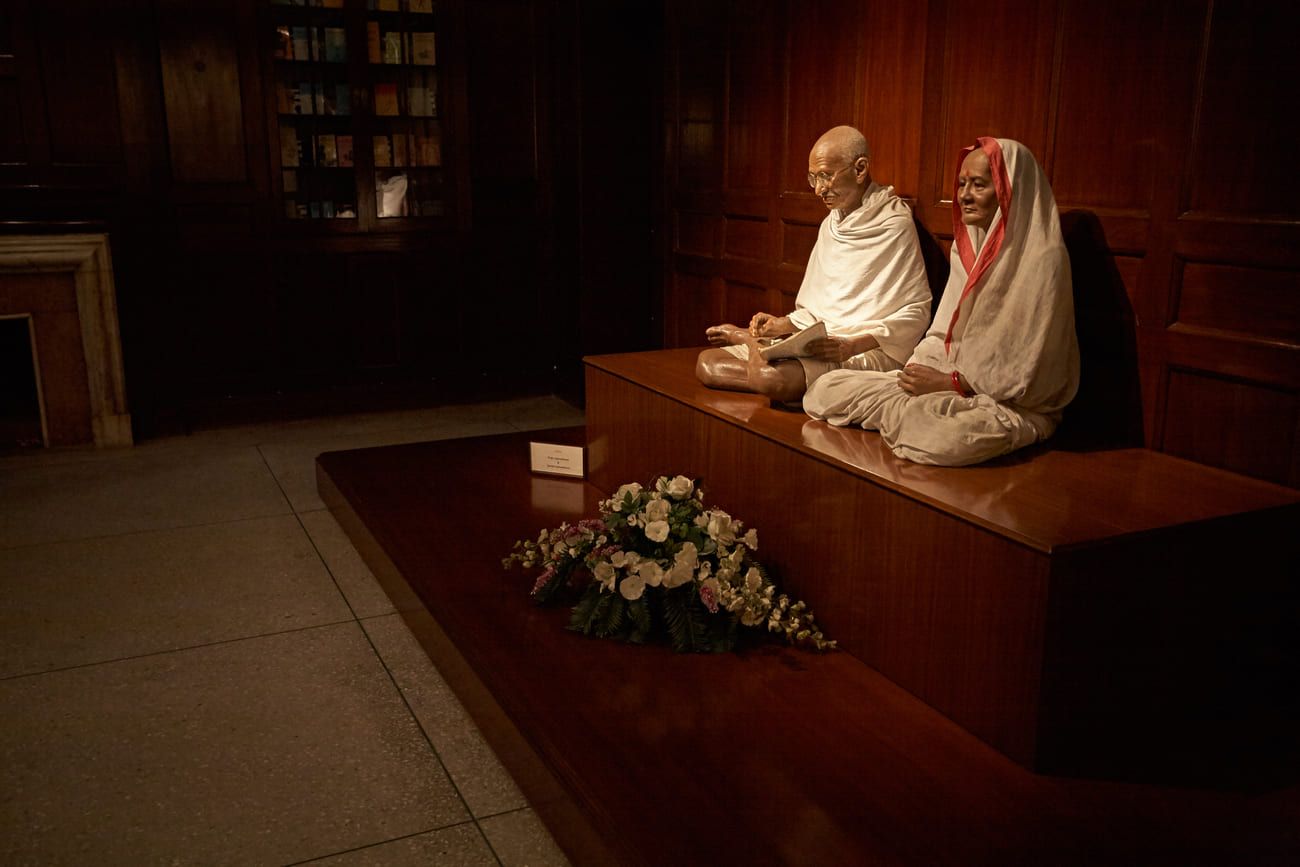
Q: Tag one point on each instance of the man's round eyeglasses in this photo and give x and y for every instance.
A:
(825, 178)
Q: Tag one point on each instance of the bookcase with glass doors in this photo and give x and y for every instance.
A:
(358, 137)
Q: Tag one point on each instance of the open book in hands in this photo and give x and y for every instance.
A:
(796, 344)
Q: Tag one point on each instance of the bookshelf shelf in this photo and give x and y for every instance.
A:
(357, 121)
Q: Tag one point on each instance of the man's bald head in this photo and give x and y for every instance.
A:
(844, 143)
(839, 168)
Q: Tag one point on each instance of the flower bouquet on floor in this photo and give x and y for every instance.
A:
(657, 563)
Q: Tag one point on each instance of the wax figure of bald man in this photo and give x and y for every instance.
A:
(865, 280)
(1001, 361)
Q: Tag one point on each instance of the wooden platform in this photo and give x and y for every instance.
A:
(1094, 613)
(634, 755)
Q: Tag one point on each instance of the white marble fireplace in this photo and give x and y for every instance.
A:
(65, 284)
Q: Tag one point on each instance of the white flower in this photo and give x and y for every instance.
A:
(753, 580)
(604, 573)
(656, 531)
(657, 510)
(679, 488)
(751, 539)
(631, 488)
(632, 587)
(687, 554)
(626, 559)
(720, 529)
(680, 574)
(650, 572)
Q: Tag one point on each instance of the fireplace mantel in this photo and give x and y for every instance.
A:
(85, 258)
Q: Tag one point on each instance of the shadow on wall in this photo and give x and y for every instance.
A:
(1107, 411)
(936, 263)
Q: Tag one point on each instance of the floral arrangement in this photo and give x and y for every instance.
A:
(657, 562)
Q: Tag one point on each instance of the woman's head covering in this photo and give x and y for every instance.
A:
(1006, 321)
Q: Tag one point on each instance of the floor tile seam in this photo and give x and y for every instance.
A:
(76, 539)
(431, 830)
(415, 717)
(320, 555)
(184, 649)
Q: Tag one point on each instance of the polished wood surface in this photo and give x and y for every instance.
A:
(980, 589)
(634, 755)
(1045, 498)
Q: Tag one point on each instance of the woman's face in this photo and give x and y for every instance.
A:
(975, 193)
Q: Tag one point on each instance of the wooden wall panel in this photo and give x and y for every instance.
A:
(696, 233)
(892, 96)
(745, 237)
(1247, 126)
(990, 90)
(1249, 301)
(78, 74)
(13, 140)
(753, 97)
(822, 40)
(1101, 99)
(199, 59)
(1204, 422)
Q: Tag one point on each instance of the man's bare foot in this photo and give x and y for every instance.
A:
(727, 335)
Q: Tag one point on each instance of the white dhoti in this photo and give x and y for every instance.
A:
(814, 368)
(942, 428)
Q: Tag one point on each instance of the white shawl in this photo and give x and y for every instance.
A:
(1009, 292)
(865, 275)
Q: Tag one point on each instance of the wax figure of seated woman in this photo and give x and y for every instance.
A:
(1001, 360)
(865, 280)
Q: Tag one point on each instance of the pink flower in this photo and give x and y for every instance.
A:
(547, 574)
(709, 594)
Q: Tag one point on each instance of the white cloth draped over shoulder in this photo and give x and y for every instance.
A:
(865, 275)
(1006, 323)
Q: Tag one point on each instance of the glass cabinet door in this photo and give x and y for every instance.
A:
(314, 108)
(406, 138)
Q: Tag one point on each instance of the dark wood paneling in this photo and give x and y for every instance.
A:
(13, 140)
(993, 92)
(199, 60)
(822, 41)
(754, 96)
(696, 233)
(78, 73)
(892, 60)
(743, 300)
(746, 238)
(1253, 302)
(1245, 130)
(1203, 422)
(797, 241)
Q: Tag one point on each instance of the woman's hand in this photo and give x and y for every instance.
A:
(917, 379)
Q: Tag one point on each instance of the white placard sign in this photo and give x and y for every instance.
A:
(556, 459)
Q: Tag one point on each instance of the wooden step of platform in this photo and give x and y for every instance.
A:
(1096, 613)
(635, 755)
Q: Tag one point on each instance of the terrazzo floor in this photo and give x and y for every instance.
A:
(197, 668)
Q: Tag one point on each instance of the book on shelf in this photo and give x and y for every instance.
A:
(314, 211)
(393, 46)
(286, 97)
(283, 42)
(338, 98)
(399, 150)
(305, 97)
(383, 149)
(423, 49)
(420, 7)
(290, 154)
(373, 52)
(386, 99)
(300, 44)
(300, 210)
(388, 6)
(428, 150)
(331, 4)
(419, 101)
(327, 153)
(291, 209)
(289, 178)
(344, 144)
(336, 45)
(327, 209)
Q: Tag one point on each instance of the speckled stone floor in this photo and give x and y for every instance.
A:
(196, 667)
